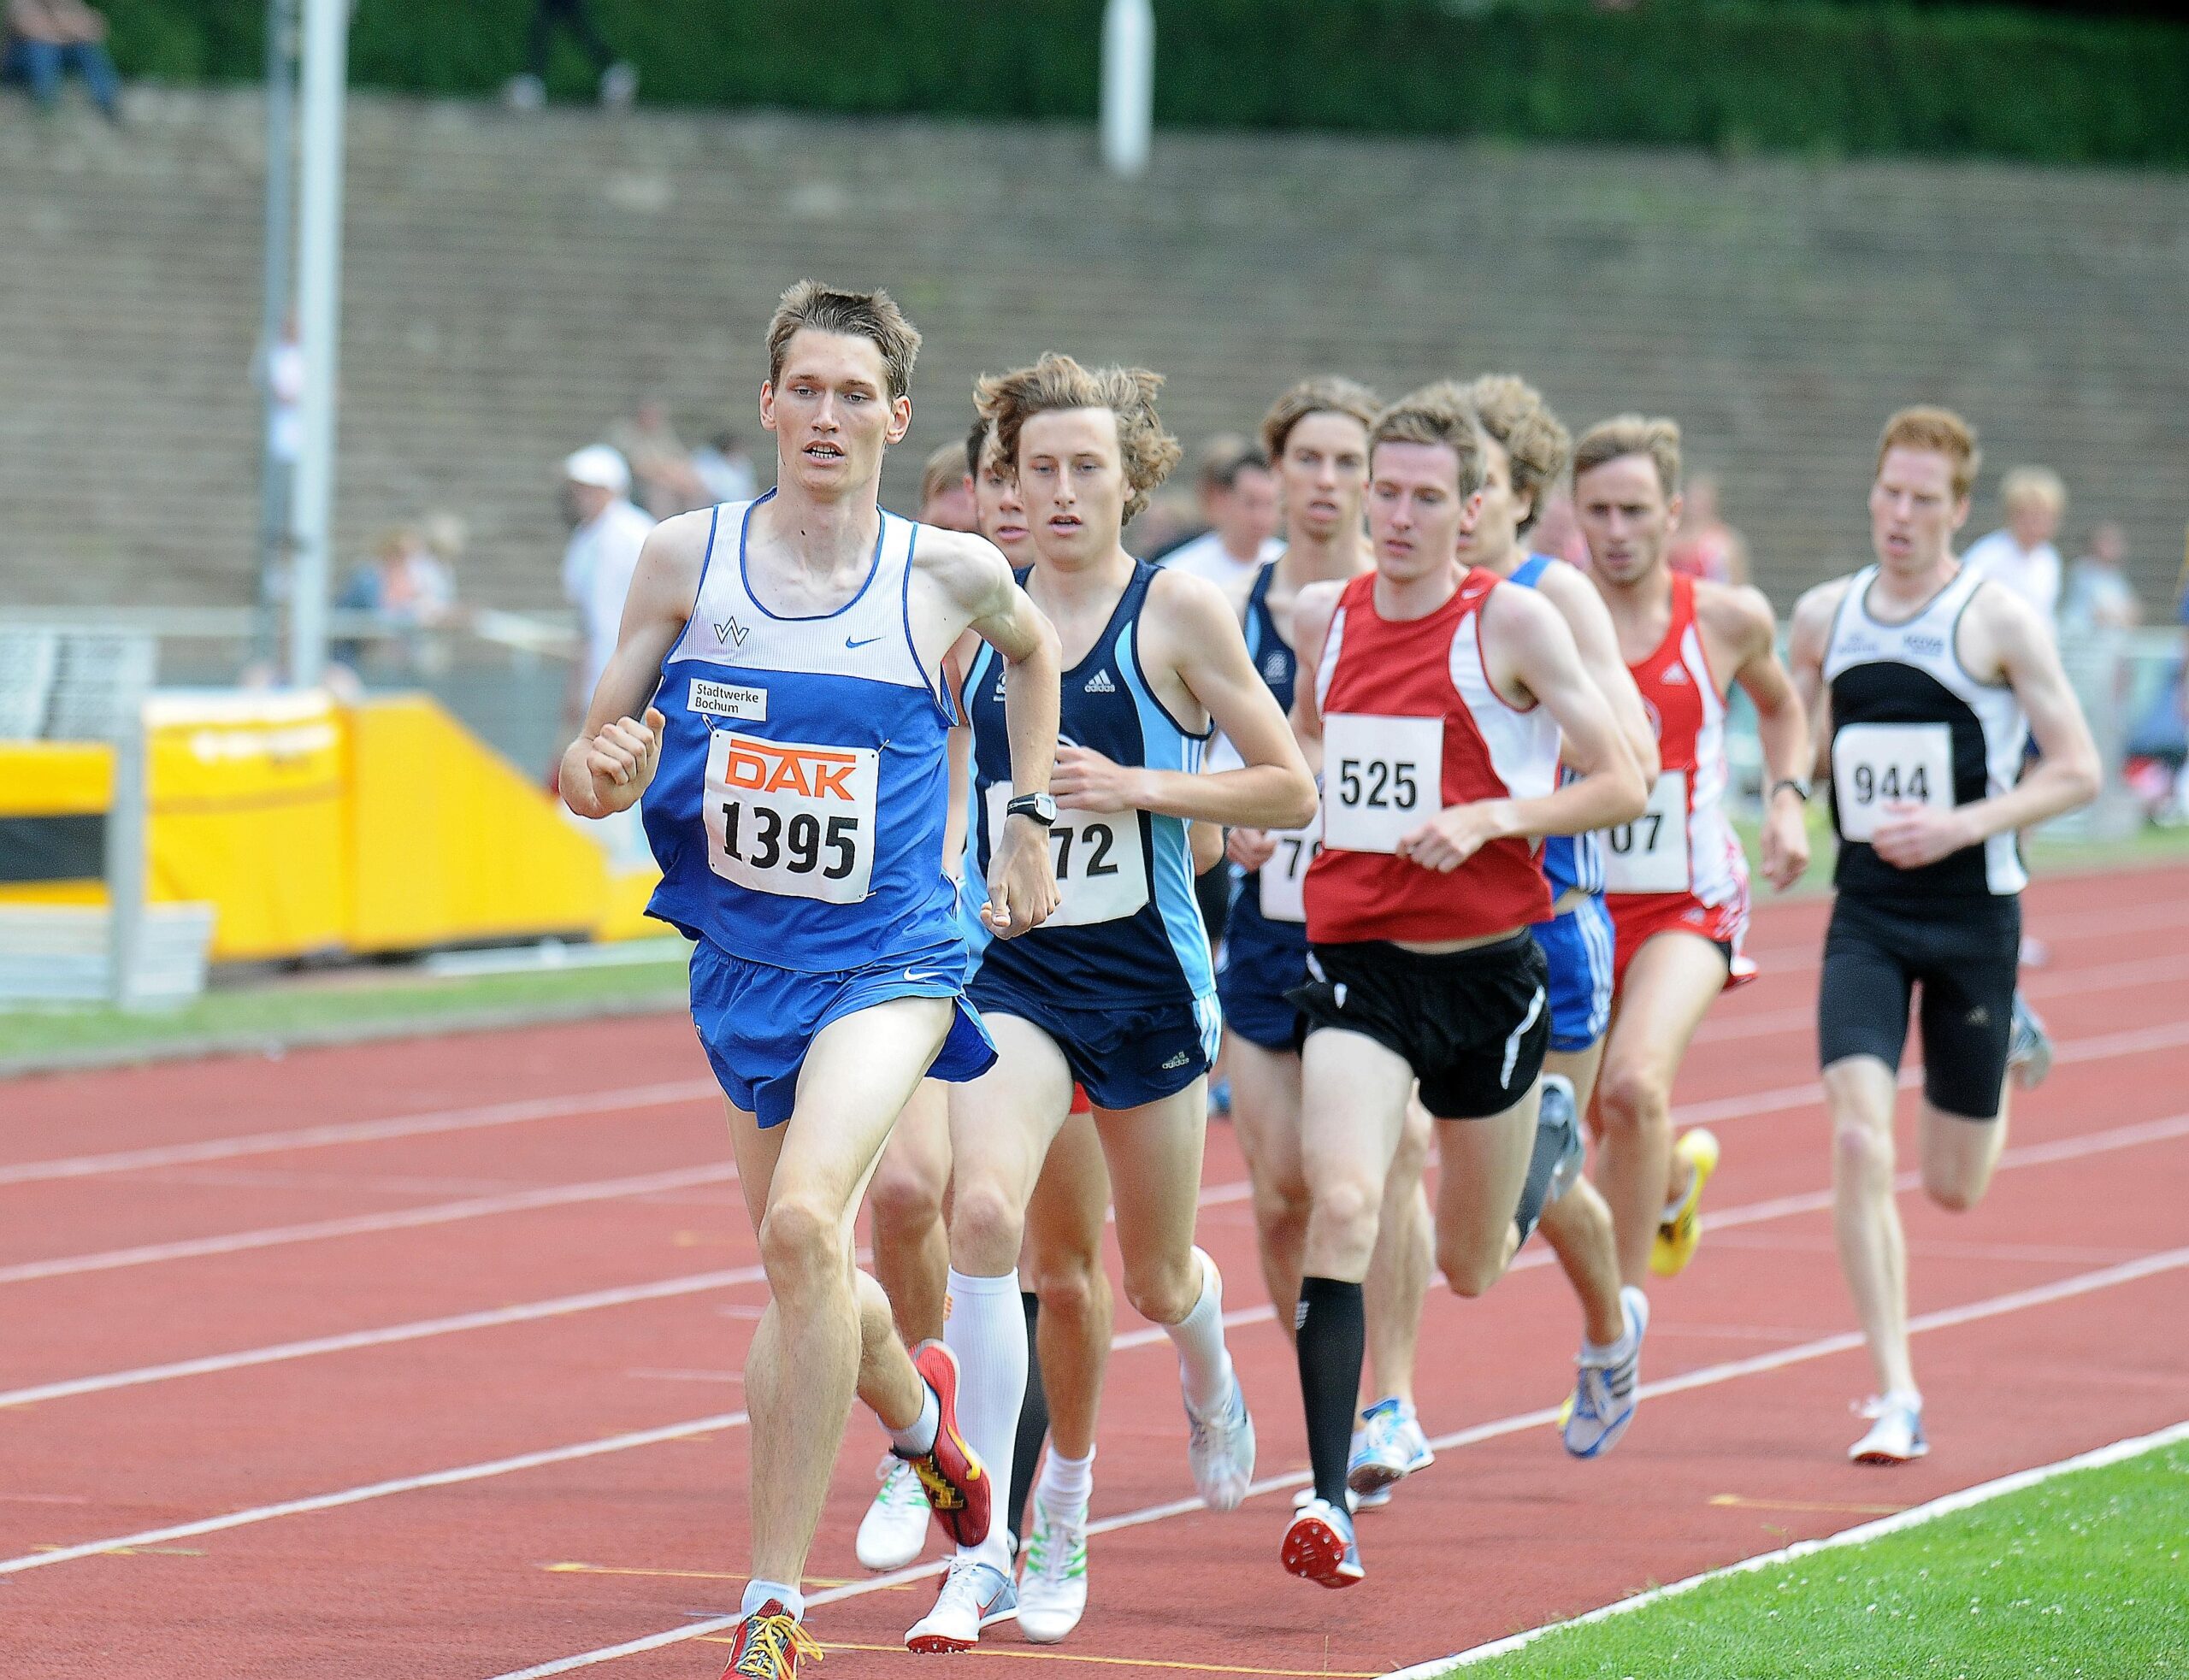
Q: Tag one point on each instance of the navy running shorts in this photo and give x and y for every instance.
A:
(1122, 1055)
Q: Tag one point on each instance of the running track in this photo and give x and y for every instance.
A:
(420, 1360)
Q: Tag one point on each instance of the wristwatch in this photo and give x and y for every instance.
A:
(1039, 806)
(1801, 789)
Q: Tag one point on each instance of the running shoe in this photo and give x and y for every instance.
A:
(1053, 1575)
(768, 1644)
(1609, 1386)
(975, 1595)
(1221, 1450)
(894, 1531)
(1219, 1099)
(1680, 1227)
(2029, 1048)
(1558, 1103)
(1320, 1546)
(1896, 1432)
(951, 1473)
(1306, 1497)
(1388, 1445)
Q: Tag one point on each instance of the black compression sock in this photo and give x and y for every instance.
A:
(1332, 1342)
(1033, 1423)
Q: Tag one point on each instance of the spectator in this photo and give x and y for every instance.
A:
(724, 470)
(1704, 545)
(607, 532)
(1238, 498)
(945, 493)
(619, 79)
(1169, 521)
(405, 587)
(44, 38)
(2100, 595)
(663, 479)
(2021, 555)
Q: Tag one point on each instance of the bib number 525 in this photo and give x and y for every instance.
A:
(1383, 778)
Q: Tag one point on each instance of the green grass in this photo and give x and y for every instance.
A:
(2086, 1575)
(332, 1003)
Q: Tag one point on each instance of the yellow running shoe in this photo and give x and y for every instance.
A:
(1681, 1228)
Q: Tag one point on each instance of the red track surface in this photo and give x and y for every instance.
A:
(124, 1262)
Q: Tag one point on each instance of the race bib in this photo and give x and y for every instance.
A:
(792, 820)
(1284, 877)
(1874, 765)
(1650, 854)
(1383, 778)
(1101, 867)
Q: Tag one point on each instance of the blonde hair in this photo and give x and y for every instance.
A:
(2034, 484)
(1437, 415)
(1056, 383)
(1654, 436)
(1535, 441)
(944, 472)
(872, 315)
(1328, 395)
(1940, 432)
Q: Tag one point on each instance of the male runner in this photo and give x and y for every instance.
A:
(1440, 698)
(1119, 995)
(1924, 678)
(1677, 877)
(792, 760)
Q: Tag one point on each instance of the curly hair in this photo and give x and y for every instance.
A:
(1633, 435)
(1057, 383)
(1436, 413)
(1328, 395)
(1536, 445)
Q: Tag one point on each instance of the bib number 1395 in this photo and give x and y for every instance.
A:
(1383, 778)
(792, 820)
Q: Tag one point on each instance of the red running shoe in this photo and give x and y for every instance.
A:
(770, 1643)
(957, 1483)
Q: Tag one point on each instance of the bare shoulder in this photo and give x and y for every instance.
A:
(1514, 609)
(968, 568)
(1312, 609)
(1737, 613)
(1569, 589)
(676, 553)
(2005, 627)
(1183, 598)
(1814, 613)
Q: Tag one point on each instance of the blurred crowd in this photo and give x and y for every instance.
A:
(46, 39)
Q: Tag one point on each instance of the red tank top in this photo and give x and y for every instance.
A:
(1411, 725)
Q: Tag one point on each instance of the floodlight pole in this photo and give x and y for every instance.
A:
(275, 471)
(1128, 85)
(319, 308)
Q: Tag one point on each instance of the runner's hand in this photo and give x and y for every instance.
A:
(1250, 848)
(1456, 832)
(1909, 836)
(1083, 780)
(1022, 880)
(1785, 842)
(608, 773)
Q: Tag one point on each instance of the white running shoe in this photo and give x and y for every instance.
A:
(2029, 1047)
(894, 1531)
(1320, 1546)
(1609, 1387)
(975, 1595)
(1052, 1580)
(1896, 1432)
(1387, 1447)
(1221, 1450)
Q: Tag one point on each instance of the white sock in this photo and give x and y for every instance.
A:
(759, 1592)
(1066, 1483)
(986, 1327)
(916, 1439)
(1204, 1366)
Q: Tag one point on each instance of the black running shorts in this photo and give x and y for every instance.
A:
(1473, 1024)
(1964, 952)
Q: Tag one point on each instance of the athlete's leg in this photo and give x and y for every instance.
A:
(1398, 1273)
(1958, 1154)
(911, 1251)
(1481, 1165)
(1581, 1067)
(825, 1332)
(1063, 1240)
(1265, 1115)
(1967, 1021)
(1858, 1097)
(1667, 989)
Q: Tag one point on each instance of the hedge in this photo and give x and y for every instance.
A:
(1729, 75)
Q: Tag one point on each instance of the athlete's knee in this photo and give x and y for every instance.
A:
(987, 1226)
(1281, 1204)
(1071, 1285)
(1632, 1095)
(1412, 1159)
(1164, 1291)
(905, 1200)
(801, 1245)
(1863, 1152)
(1343, 1217)
(1471, 1268)
(1950, 1191)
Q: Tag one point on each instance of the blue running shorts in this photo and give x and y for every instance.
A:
(1262, 960)
(1123, 1055)
(756, 1021)
(1577, 946)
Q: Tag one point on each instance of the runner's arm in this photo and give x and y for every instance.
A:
(1743, 617)
(1597, 641)
(1313, 610)
(1807, 638)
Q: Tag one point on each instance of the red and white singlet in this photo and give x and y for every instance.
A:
(1678, 867)
(1412, 725)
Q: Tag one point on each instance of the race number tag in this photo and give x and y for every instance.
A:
(1101, 869)
(1650, 854)
(791, 820)
(1383, 778)
(1874, 765)
(1284, 877)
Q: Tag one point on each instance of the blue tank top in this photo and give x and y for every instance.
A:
(1571, 862)
(1279, 667)
(797, 812)
(1129, 930)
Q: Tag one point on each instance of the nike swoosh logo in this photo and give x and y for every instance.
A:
(862, 642)
(919, 979)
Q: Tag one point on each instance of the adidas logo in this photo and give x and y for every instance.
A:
(1674, 674)
(1980, 1016)
(1099, 683)
(1273, 667)
(1177, 1061)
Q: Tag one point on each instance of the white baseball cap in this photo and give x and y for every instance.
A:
(598, 465)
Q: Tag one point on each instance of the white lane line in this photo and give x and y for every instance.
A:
(360, 1131)
(1706, 1376)
(1914, 1516)
(403, 1219)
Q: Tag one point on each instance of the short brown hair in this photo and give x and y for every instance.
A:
(1220, 460)
(1057, 383)
(943, 473)
(872, 315)
(1941, 432)
(1436, 413)
(1654, 436)
(1535, 442)
(1328, 395)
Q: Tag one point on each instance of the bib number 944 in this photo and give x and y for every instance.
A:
(1874, 765)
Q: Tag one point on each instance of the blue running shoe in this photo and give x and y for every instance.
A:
(1609, 1386)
